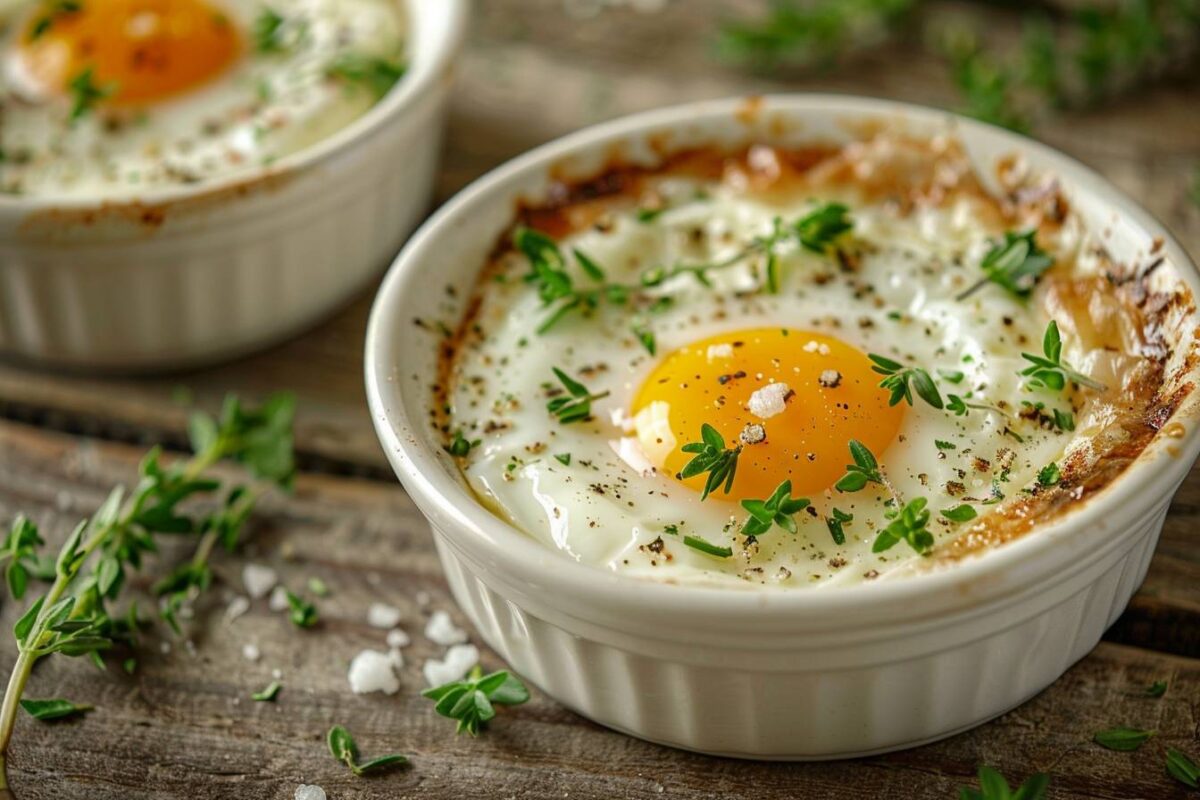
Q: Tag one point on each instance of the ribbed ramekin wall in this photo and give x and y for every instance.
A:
(734, 705)
(243, 275)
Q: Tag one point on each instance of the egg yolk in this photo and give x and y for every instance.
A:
(827, 395)
(143, 50)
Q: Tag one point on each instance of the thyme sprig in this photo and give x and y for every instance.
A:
(864, 470)
(910, 524)
(86, 93)
(778, 509)
(72, 616)
(903, 380)
(714, 458)
(576, 405)
(1014, 264)
(377, 74)
(1049, 369)
(473, 700)
(343, 747)
(818, 231)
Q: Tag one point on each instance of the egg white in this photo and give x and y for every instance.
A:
(602, 509)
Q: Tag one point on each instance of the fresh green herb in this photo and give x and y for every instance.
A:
(472, 701)
(50, 13)
(804, 33)
(1156, 689)
(986, 85)
(647, 215)
(817, 231)
(992, 786)
(910, 525)
(943, 445)
(901, 381)
(72, 617)
(318, 587)
(1182, 768)
(705, 546)
(86, 93)
(711, 457)
(1049, 475)
(460, 446)
(20, 550)
(1064, 420)
(576, 406)
(820, 230)
(1049, 370)
(778, 509)
(864, 470)
(1014, 264)
(301, 612)
(342, 746)
(951, 375)
(268, 694)
(377, 74)
(1122, 739)
(646, 337)
(268, 30)
(129, 665)
(959, 407)
(836, 524)
(563, 458)
(960, 513)
(50, 710)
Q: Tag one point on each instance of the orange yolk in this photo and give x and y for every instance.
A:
(145, 50)
(833, 397)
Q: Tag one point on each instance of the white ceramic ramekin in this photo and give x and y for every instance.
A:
(186, 275)
(808, 674)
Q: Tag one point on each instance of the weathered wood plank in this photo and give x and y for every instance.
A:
(184, 726)
(531, 73)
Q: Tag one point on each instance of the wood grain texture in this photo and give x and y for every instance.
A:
(184, 724)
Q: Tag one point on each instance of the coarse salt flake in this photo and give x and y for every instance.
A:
(381, 615)
(830, 378)
(250, 652)
(397, 638)
(454, 665)
(720, 351)
(817, 347)
(258, 580)
(441, 630)
(372, 671)
(307, 791)
(769, 400)
(279, 599)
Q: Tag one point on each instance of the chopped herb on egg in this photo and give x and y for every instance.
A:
(714, 458)
(864, 470)
(778, 509)
(942, 445)
(563, 458)
(1014, 264)
(901, 381)
(836, 523)
(705, 546)
(268, 31)
(375, 73)
(1049, 475)
(460, 445)
(960, 513)
(1049, 370)
(86, 93)
(911, 525)
(576, 406)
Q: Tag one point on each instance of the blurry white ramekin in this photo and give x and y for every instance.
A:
(807, 674)
(190, 274)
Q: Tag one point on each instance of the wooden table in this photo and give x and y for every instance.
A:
(184, 725)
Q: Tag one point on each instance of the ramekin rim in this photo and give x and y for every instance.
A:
(404, 95)
(481, 533)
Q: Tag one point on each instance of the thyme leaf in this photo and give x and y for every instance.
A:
(472, 701)
(713, 458)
